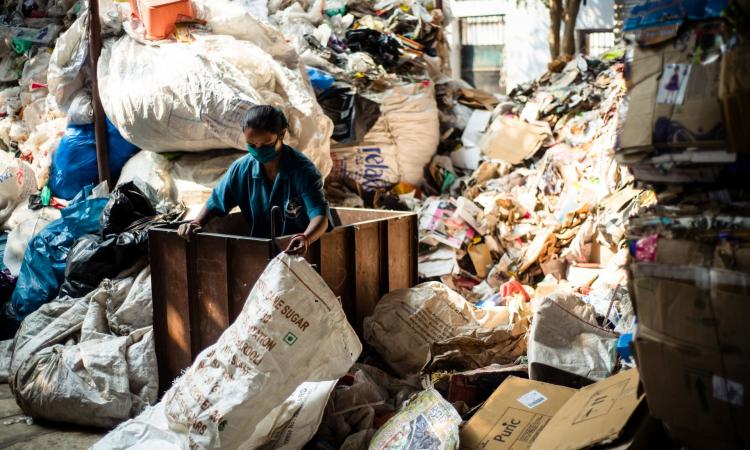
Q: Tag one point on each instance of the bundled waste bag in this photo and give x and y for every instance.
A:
(88, 361)
(126, 219)
(292, 329)
(193, 97)
(74, 162)
(43, 267)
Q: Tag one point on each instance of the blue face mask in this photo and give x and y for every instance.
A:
(264, 153)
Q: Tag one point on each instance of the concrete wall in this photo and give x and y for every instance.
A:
(526, 28)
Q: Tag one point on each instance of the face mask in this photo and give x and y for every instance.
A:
(264, 153)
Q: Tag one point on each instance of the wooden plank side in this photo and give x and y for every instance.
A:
(246, 261)
(336, 264)
(169, 284)
(367, 267)
(399, 253)
(212, 289)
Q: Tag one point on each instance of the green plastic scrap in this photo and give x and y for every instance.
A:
(20, 46)
(46, 195)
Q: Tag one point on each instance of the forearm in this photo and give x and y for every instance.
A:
(317, 227)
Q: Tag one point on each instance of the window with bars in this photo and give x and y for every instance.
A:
(596, 42)
(482, 43)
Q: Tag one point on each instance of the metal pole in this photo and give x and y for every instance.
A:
(100, 123)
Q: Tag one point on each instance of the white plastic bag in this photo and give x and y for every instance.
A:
(292, 329)
(66, 72)
(193, 97)
(41, 145)
(17, 182)
(24, 224)
(153, 169)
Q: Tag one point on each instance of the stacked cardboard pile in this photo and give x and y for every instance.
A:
(690, 255)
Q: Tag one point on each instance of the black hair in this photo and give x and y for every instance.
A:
(265, 118)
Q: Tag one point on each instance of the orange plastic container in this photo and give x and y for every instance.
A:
(159, 16)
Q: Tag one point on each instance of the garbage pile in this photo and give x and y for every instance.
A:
(689, 253)
(546, 210)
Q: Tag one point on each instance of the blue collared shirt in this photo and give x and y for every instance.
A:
(297, 190)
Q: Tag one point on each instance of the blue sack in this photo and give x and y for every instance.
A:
(320, 80)
(74, 161)
(43, 268)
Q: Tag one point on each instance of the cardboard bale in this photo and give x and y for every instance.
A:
(694, 305)
(514, 415)
(734, 91)
(694, 388)
(692, 348)
(673, 97)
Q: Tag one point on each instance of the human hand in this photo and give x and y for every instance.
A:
(187, 230)
(298, 245)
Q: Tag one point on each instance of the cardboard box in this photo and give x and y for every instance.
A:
(596, 414)
(674, 97)
(734, 91)
(514, 415)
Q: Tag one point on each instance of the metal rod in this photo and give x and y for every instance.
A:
(100, 122)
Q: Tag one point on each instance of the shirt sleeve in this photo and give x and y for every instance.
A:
(223, 197)
(311, 191)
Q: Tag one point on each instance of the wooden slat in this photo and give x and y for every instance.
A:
(169, 283)
(366, 271)
(212, 318)
(336, 262)
(399, 253)
(246, 261)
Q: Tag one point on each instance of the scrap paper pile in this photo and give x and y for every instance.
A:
(690, 253)
(546, 209)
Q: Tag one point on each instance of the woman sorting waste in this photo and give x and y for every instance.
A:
(273, 174)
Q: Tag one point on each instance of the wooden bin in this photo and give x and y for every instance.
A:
(200, 287)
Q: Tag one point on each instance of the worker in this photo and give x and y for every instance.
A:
(272, 174)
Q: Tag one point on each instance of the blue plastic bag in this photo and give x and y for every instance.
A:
(43, 268)
(74, 161)
(320, 80)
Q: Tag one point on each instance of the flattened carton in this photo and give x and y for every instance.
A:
(514, 415)
(597, 415)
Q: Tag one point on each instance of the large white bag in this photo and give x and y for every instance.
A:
(412, 114)
(89, 361)
(400, 144)
(292, 329)
(193, 97)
